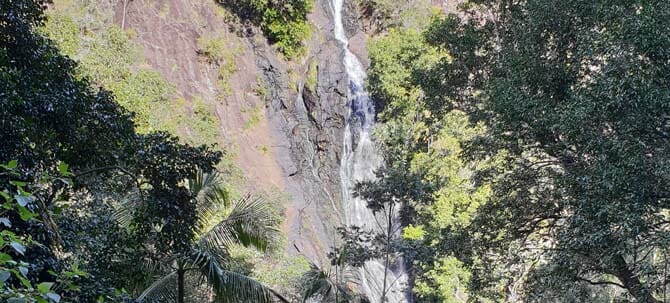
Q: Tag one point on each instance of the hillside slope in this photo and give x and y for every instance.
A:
(221, 82)
(279, 120)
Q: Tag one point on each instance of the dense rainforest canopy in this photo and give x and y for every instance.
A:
(525, 144)
(70, 150)
(535, 137)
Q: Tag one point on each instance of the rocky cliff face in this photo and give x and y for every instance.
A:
(282, 120)
(310, 119)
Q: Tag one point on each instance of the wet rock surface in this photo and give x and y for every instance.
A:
(312, 120)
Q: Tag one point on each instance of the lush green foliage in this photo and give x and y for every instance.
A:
(278, 270)
(579, 113)
(332, 283)
(81, 220)
(49, 116)
(17, 269)
(569, 104)
(424, 171)
(526, 149)
(383, 15)
(110, 59)
(284, 22)
(219, 224)
(53, 115)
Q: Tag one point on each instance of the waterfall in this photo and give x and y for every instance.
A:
(359, 161)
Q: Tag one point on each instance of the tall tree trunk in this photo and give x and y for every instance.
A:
(632, 282)
(180, 283)
(387, 261)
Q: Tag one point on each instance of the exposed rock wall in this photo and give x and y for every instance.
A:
(295, 144)
(311, 118)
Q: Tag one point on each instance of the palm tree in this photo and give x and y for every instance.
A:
(331, 284)
(220, 224)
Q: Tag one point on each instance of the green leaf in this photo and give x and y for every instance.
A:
(77, 272)
(23, 280)
(5, 221)
(18, 247)
(44, 287)
(5, 195)
(24, 200)
(54, 297)
(67, 181)
(11, 164)
(4, 275)
(26, 214)
(24, 271)
(4, 258)
(63, 169)
(17, 183)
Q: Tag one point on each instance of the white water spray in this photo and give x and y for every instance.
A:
(359, 162)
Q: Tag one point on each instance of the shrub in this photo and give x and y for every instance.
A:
(284, 22)
(313, 76)
(212, 48)
(140, 92)
(64, 32)
(110, 58)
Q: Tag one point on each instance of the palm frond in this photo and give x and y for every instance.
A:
(208, 259)
(125, 211)
(251, 222)
(208, 189)
(318, 284)
(211, 196)
(331, 285)
(162, 290)
(231, 287)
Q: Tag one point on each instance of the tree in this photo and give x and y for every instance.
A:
(576, 104)
(49, 117)
(334, 283)
(385, 206)
(52, 116)
(425, 172)
(249, 222)
(284, 22)
(18, 282)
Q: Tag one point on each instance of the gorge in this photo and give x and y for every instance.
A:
(334, 151)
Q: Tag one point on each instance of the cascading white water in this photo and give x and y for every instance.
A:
(359, 162)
